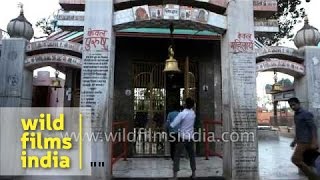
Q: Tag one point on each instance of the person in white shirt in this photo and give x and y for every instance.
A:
(185, 120)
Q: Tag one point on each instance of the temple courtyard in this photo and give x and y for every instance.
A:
(274, 164)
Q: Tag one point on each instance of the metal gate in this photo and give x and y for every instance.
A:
(150, 104)
(149, 108)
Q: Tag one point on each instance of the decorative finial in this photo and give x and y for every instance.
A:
(306, 20)
(20, 5)
(275, 77)
(171, 52)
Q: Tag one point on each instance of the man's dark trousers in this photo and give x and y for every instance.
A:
(178, 151)
(173, 142)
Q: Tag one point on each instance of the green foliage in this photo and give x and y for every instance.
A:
(288, 15)
(268, 86)
(286, 83)
(47, 26)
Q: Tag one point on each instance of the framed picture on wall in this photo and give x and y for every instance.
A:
(141, 13)
(171, 11)
(185, 12)
(156, 12)
(200, 15)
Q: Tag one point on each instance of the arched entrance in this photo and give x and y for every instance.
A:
(281, 59)
(284, 60)
(64, 57)
(277, 131)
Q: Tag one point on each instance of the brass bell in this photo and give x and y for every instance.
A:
(276, 87)
(56, 83)
(171, 63)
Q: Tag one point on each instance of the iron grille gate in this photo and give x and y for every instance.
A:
(149, 108)
(150, 105)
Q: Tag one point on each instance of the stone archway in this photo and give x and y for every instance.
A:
(65, 57)
(46, 53)
(284, 66)
(281, 59)
(285, 60)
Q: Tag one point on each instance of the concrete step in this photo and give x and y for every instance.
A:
(180, 178)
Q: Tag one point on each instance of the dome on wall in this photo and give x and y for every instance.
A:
(20, 27)
(307, 36)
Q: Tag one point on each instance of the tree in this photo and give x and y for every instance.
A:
(286, 83)
(288, 15)
(47, 25)
(268, 87)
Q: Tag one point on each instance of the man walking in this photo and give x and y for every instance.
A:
(306, 137)
(185, 120)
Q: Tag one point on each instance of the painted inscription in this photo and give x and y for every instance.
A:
(275, 50)
(95, 70)
(277, 63)
(96, 39)
(51, 58)
(244, 111)
(243, 43)
(38, 45)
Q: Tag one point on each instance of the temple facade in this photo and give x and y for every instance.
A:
(115, 57)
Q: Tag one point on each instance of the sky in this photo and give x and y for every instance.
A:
(35, 10)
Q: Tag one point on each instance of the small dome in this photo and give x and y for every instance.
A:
(20, 27)
(307, 36)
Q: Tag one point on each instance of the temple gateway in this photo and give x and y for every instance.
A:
(131, 61)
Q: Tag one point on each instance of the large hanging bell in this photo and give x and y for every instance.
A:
(56, 83)
(276, 87)
(171, 66)
(171, 63)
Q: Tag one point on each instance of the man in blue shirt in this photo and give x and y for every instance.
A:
(173, 132)
(306, 136)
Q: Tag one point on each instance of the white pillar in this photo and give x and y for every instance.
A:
(307, 88)
(97, 78)
(238, 63)
(16, 81)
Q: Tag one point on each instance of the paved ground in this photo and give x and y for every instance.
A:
(181, 178)
(160, 167)
(274, 158)
(274, 164)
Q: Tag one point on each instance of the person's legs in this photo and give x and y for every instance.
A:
(176, 161)
(173, 145)
(190, 150)
(297, 159)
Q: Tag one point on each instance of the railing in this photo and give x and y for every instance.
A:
(122, 125)
(282, 120)
(208, 151)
